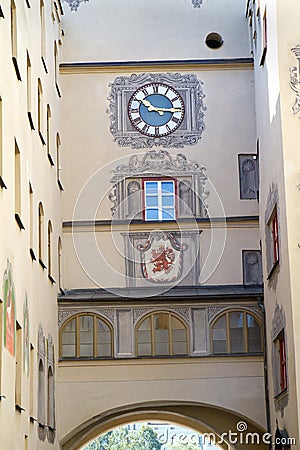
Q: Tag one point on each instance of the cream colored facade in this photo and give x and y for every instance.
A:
(104, 332)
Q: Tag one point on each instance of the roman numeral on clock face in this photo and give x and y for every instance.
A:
(156, 131)
(155, 88)
(175, 119)
(144, 91)
(137, 120)
(145, 128)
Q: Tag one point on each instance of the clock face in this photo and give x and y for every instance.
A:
(156, 109)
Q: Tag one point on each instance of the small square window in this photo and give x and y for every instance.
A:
(159, 200)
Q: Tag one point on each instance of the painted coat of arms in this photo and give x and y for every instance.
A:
(162, 257)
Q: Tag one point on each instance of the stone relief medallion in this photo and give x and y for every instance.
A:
(161, 258)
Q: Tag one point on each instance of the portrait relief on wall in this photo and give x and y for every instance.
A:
(26, 337)
(9, 310)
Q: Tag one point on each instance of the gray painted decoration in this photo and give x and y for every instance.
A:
(278, 322)
(294, 80)
(197, 3)
(65, 313)
(126, 194)
(74, 4)
(188, 133)
(248, 174)
(252, 267)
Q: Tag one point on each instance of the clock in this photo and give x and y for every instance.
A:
(156, 109)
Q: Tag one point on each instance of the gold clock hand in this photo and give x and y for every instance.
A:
(158, 109)
(151, 108)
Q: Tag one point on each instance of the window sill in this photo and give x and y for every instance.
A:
(19, 222)
(32, 254)
(275, 265)
(42, 138)
(281, 395)
(2, 184)
(19, 408)
(30, 120)
(263, 57)
(50, 159)
(57, 90)
(51, 279)
(44, 64)
(60, 185)
(42, 264)
(15, 63)
(32, 419)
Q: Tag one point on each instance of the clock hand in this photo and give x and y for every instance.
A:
(160, 110)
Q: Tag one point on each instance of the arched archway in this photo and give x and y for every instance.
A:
(202, 418)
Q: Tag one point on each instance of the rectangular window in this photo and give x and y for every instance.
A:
(272, 243)
(18, 186)
(29, 90)
(18, 379)
(280, 362)
(13, 28)
(264, 38)
(159, 200)
(275, 242)
(2, 184)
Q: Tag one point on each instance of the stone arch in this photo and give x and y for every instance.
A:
(202, 418)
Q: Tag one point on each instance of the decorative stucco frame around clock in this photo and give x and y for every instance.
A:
(191, 128)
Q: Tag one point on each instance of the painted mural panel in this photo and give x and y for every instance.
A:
(9, 310)
(26, 337)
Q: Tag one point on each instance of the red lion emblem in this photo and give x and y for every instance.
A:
(162, 259)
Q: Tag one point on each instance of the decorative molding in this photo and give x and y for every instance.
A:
(64, 314)
(74, 4)
(197, 3)
(184, 312)
(41, 343)
(189, 132)
(294, 80)
(159, 161)
(272, 201)
(278, 322)
(189, 175)
(214, 311)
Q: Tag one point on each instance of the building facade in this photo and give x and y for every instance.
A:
(148, 188)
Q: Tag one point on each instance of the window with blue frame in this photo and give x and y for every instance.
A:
(159, 200)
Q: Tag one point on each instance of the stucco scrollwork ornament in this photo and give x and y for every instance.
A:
(278, 322)
(197, 3)
(294, 80)
(126, 134)
(126, 193)
(74, 4)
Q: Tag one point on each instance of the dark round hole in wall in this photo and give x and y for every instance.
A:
(214, 40)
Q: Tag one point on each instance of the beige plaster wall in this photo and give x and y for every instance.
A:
(127, 30)
(115, 385)
(278, 134)
(28, 275)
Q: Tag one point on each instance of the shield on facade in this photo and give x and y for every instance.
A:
(162, 257)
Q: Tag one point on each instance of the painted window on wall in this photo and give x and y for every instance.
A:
(86, 336)
(236, 332)
(9, 311)
(162, 334)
